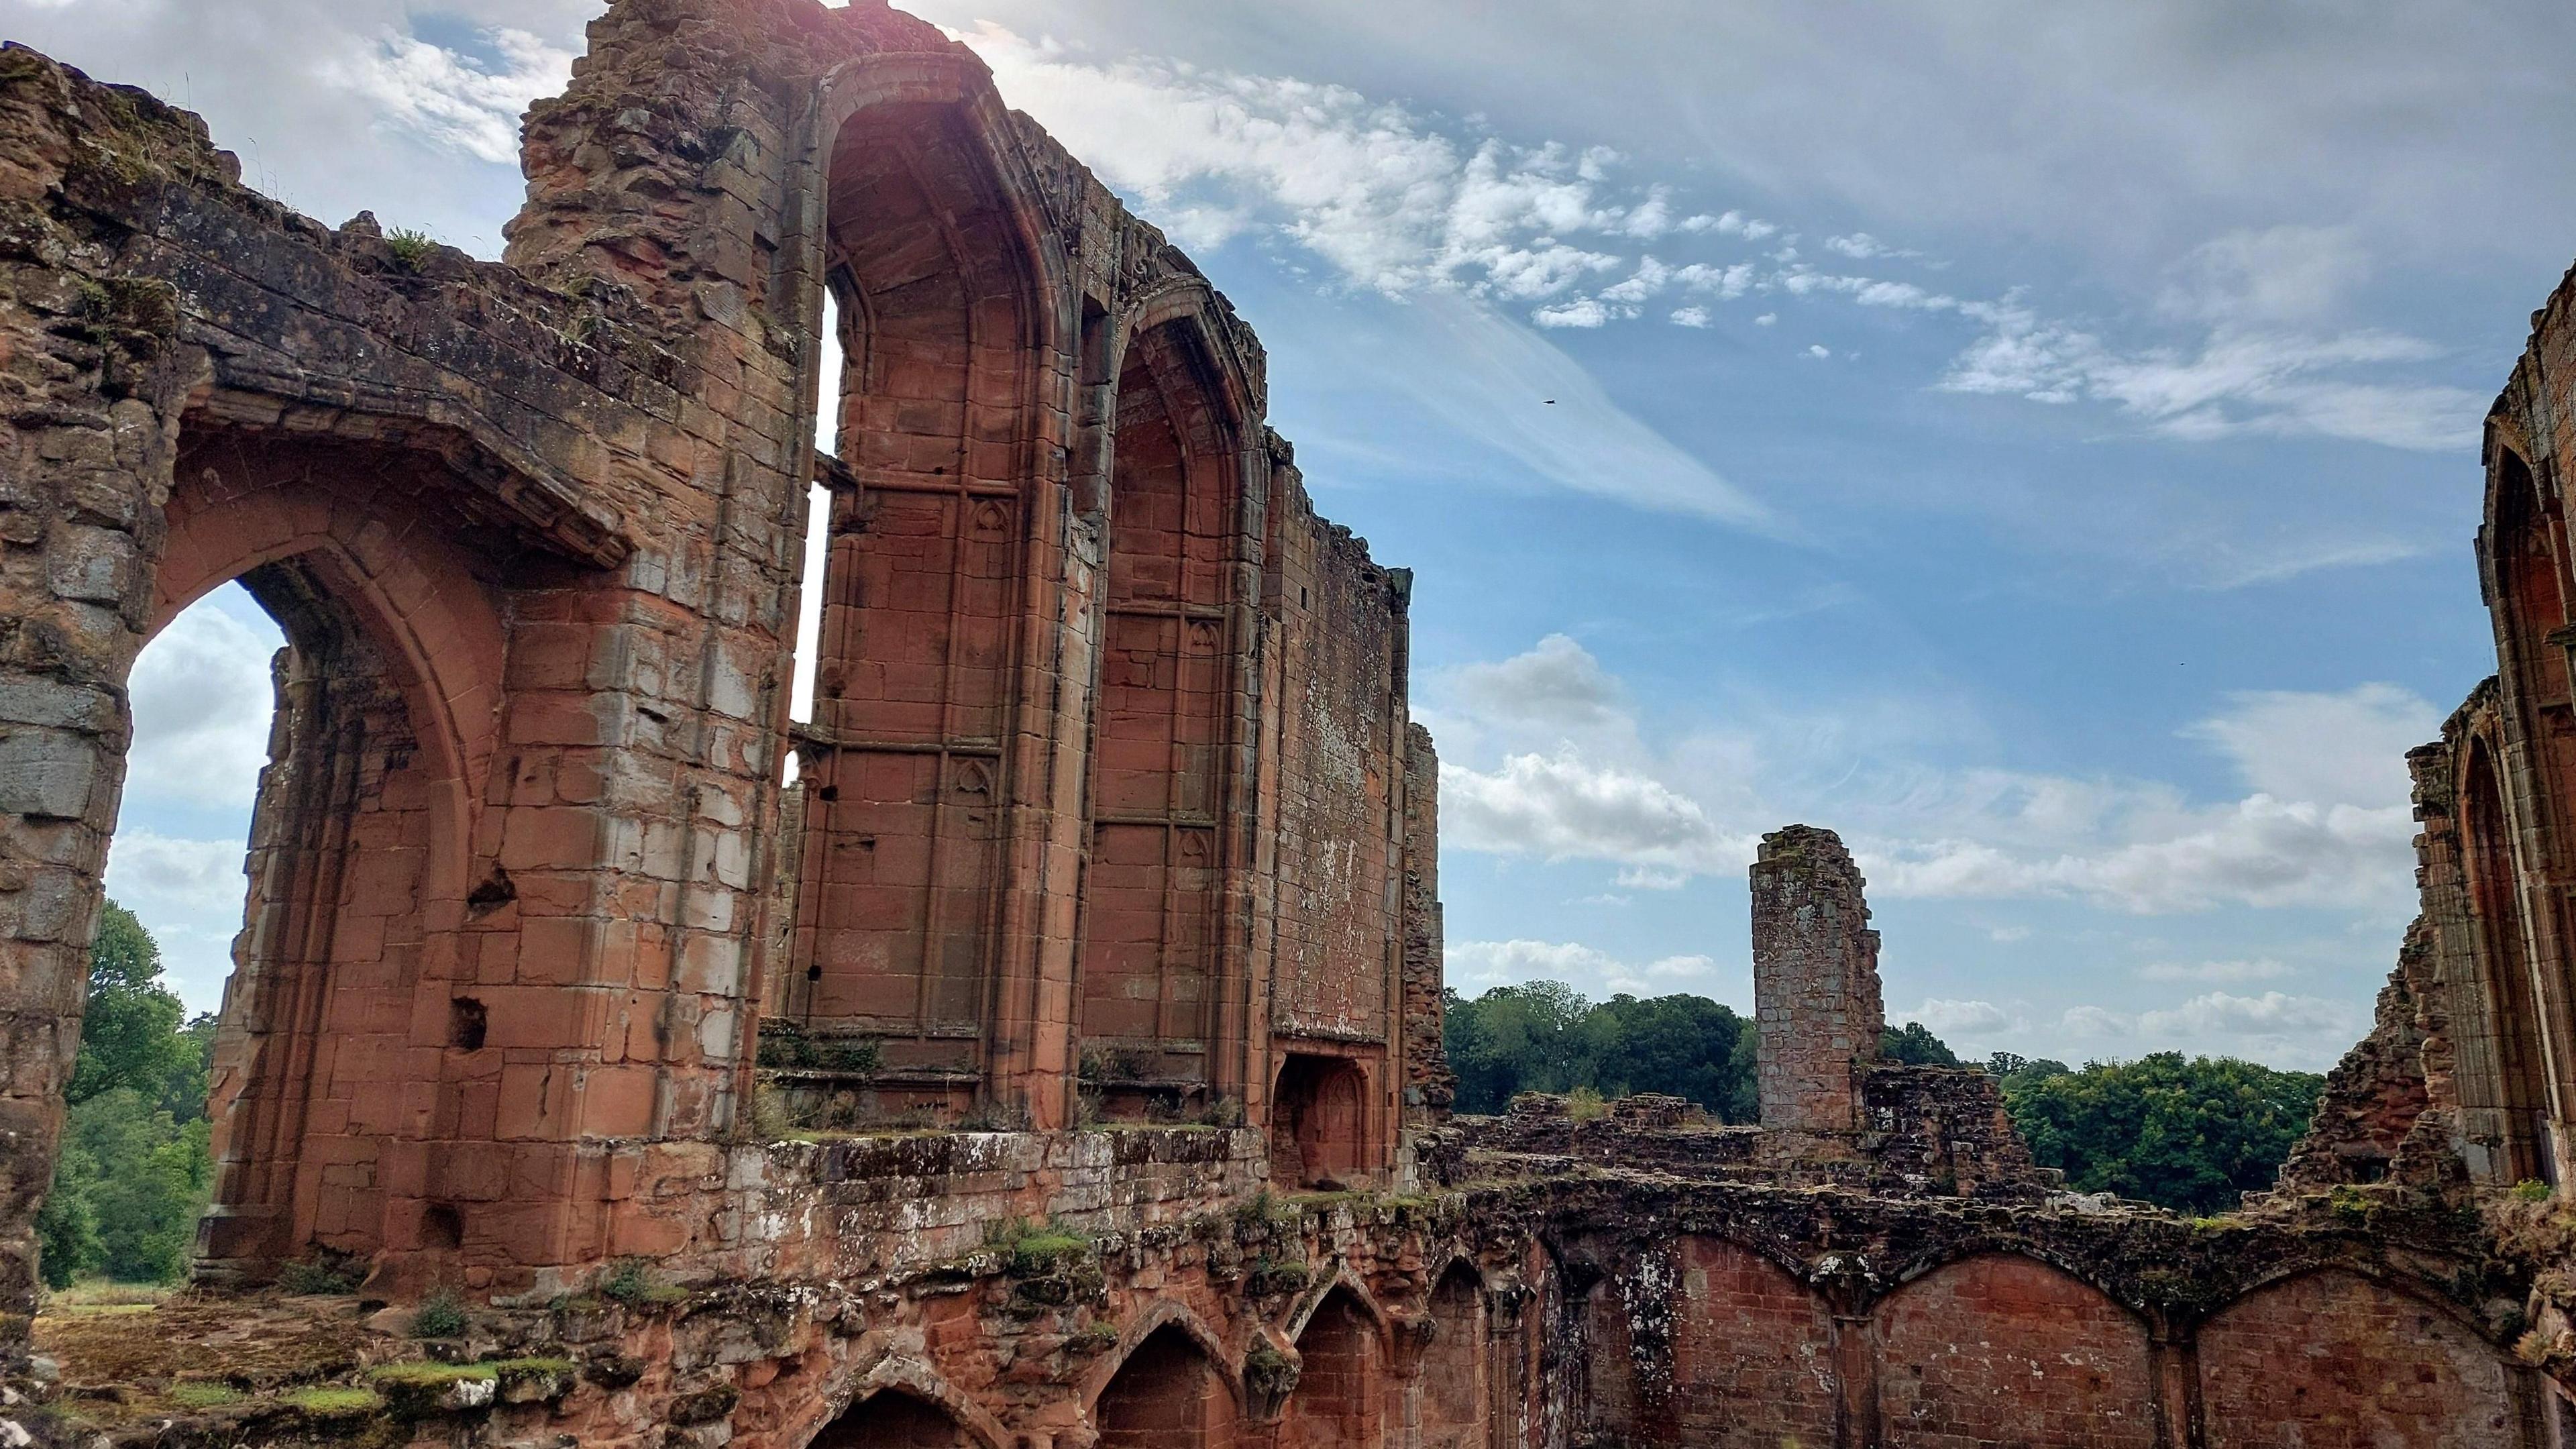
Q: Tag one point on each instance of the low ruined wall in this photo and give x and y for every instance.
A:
(1080, 1289)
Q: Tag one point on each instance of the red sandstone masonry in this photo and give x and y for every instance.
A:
(1815, 982)
(1999, 1350)
(2332, 1361)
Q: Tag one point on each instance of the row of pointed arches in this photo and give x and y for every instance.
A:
(1172, 1384)
(1732, 1349)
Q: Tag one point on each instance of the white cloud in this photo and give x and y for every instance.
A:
(453, 99)
(1477, 966)
(1968, 1019)
(202, 701)
(1861, 246)
(2259, 969)
(2326, 822)
(1736, 223)
(1561, 807)
(2287, 275)
(2304, 1031)
(1387, 198)
(2260, 851)
(2272, 1014)
(189, 894)
(1690, 317)
(2093, 1021)
(1651, 877)
(188, 878)
(1504, 963)
(1556, 684)
(2345, 749)
(1818, 349)
(1490, 380)
(2232, 383)
(1581, 312)
(1767, 319)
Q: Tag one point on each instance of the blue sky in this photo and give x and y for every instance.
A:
(2036, 441)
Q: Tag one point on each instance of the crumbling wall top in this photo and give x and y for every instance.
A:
(1815, 981)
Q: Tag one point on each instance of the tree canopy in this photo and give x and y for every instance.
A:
(1544, 1037)
(2185, 1133)
(2188, 1133)
(135, 1170)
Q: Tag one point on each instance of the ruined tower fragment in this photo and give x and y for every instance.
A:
(1815, 981)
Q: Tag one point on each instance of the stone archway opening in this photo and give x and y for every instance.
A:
(351, 1032)
(1154, 958)
(893, 1419)
(909, 791)
(1318, 1122)
(2508, 1078)
(1336, 1403)
(1167, 1395)
(1456, 1395)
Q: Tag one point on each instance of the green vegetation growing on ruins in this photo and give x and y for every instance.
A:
(135, 1170)
(2187, 1133)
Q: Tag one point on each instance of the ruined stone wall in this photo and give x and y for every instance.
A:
(1110, 809)
(1815, 982)
(519, 906)
(2513, 753)
(528, 508)
(1338, 874)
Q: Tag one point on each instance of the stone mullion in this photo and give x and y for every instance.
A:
(1178, 653)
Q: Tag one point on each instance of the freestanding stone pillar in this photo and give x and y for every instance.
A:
(1815, 982)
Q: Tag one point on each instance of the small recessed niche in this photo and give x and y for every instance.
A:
(466, 1023)
(441, 1226)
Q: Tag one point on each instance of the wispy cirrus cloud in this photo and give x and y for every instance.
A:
(454, 98)
(1399, 202)
(1390, 199)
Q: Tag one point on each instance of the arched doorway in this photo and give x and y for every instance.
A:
(1167, 1395)
(1338, 1400)
(893, 1419)
(349, 1038)
(1455, 1396)
(1318, 1122)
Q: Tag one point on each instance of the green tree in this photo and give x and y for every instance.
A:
(1543, 1036)
(2012, 1064)
(130, 1030)
(1915, 1046)
(1511, 1039)
(135, 1170)
(1684, 1046)
(2189, 1134)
